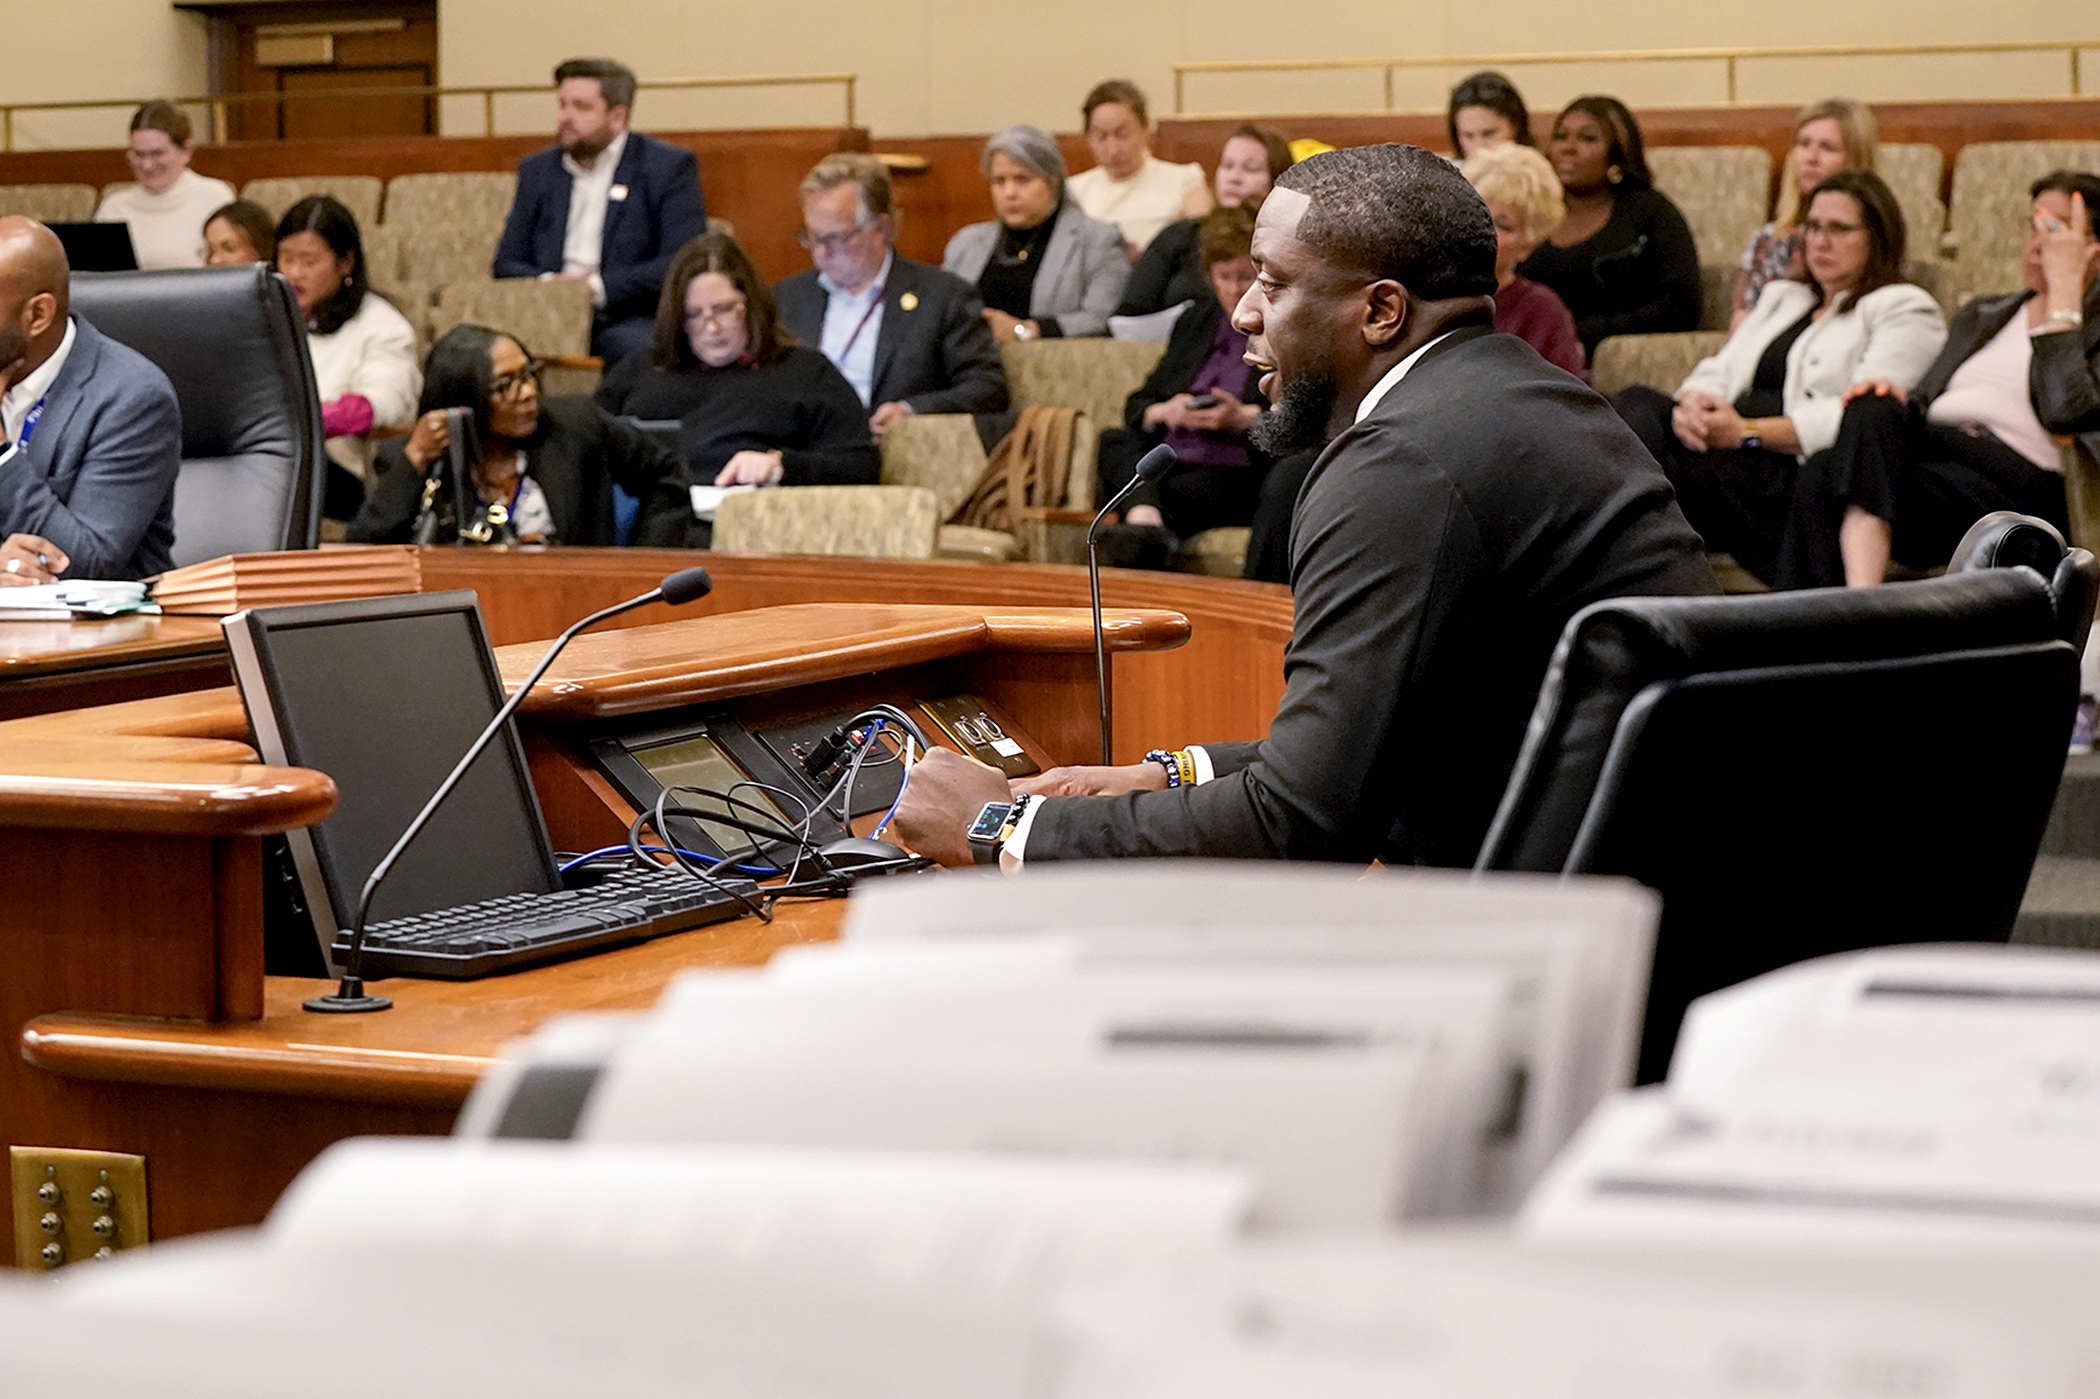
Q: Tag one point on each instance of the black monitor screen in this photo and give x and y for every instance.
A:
(385, 695)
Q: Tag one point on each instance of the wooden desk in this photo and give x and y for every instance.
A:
(67, 665)
(132, 927)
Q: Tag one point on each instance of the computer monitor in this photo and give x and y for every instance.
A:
(98, 247)
(385, 695)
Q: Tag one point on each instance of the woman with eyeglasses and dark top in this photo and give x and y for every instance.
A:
(1622, 257)
(1486, 110)
(542, 469)
(1752, 424)
(754, 407)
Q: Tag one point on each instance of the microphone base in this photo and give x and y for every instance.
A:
(348, 999)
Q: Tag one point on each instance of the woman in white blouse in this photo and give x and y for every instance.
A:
(364, 351)
(1129, 186)
(166, 209)
(1744, 421)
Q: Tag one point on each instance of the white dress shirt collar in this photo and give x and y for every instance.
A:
(1393, 376)
(603, 167)
(22, 397)
(852, 322)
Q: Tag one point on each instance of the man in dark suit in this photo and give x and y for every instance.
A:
(1471, 499)
(90, 435)
(605, 205)
(910, 338)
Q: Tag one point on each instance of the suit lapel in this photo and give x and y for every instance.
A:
(63, 400)
(624, 179)
(1056, 254)
(894, 288)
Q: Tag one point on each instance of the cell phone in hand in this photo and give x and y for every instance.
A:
(1204, 400)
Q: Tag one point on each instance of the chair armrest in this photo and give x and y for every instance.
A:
(1054, 515)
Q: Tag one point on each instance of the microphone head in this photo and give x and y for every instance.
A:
(1156, 463)
(686, 585)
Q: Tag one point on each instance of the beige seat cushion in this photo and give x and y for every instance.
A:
(479, 198)
(1215, 553)
(357, 193)
(940, 451)
(550, 318)
(864, 522)
(1913, 170)
(1659, 361)
(53, 203)
(1093, 375)
(1724, 192)
(1987, 210)
(976, 545)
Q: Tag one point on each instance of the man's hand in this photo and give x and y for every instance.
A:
(943, 797)
(752, 469)
(1094, 781)
(885, 415)
(26, 559)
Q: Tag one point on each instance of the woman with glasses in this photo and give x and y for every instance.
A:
(541, 470)
(1748, 423)
(1043, 267)
(167, 208)
(754, 408)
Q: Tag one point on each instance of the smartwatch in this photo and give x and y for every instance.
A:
(995, 822)
(1753, 439)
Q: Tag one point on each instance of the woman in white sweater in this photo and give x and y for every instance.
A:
(1744, 420)
(167, 208)
(364, 351)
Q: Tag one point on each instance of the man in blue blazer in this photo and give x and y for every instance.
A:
(90, 435)
(605, 205)
(910, 338)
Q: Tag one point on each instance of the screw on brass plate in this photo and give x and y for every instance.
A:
(86, 1196)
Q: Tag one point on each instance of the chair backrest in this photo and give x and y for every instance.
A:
(1987, 206)
(1799, 773)
(863, 522)
(1091, 374)
(1913, 170)
(357, 193)
(553, 318)
(233, 343)
(1724, 192)
(2008, 539)
(480, 198)
(940, 451)
(1659, 361)
(66, 203)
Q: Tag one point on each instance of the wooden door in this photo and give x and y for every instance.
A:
(304, 50)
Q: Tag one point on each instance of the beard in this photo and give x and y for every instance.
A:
(1299, 417)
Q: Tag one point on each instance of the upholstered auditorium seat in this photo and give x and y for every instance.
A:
(943, 453)
(1659, 361)
(232, 341)
(1807, 772)
(1988, 204)
(1092, 374)
(357, 193)
(1725, 193)
(551, 318)
(1913, 171)
(865, 522)
(65, 203)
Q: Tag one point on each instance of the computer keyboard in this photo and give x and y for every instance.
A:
(520, 930)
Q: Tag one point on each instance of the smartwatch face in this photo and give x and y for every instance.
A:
(990, 821)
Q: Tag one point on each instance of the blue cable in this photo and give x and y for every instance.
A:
(580, 860)
(884, 823)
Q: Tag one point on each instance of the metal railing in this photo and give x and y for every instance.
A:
(1727, 57)
(220, 107)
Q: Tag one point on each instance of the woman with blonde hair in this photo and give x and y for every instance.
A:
(1834, 134)
(1523, 197)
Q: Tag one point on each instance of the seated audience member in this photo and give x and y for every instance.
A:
(908, 337)
(1910, 473)
(239, 233)
(1042, 267)
(1832, 135)
(543, 469)
(1200, 400)
(1622, 257)
(1469, 501)
(90, 435)
(1129, 186)
(1486, 110)
(364, 350)
(1746, 419)
(166, 209)
(605, 205)
(754, 407)
(1169, 271)
(1523, 198)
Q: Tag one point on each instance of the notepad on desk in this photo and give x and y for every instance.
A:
(75, 600)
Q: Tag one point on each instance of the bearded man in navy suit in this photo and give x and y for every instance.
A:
(606, 206)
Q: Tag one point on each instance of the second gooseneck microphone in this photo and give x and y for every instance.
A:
(1151, 467)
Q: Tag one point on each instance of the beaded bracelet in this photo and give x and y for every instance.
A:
(1180, 766)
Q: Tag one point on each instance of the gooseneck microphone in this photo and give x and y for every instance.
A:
(686, 585)
(1151, 467)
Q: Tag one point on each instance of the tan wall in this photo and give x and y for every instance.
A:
(941, 66)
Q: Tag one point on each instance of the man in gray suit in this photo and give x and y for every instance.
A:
(910, 338)
(90, 436)
(1470, 500)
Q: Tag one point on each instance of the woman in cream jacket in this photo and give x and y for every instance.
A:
(1744, 420)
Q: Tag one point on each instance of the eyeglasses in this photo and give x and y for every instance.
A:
(512, 385)
(717, 316)
(1834, 230)
(834, 242)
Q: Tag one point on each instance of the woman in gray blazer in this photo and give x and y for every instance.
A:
(1043, 268)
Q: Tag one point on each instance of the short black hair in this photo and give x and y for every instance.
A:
(1629, 153)
(616, 81)
(325, 216)
(1496, 93)
(1399, 212)
(2077, 182)
(459, 371)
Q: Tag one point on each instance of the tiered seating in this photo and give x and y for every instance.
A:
(358, 193)
(553, 318)
(865, 522)
(1987, 214)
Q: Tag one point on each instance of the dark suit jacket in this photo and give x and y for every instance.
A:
(937, 357)
(662, 212)
(1439, 547)
(98, 476)
(2063, 378)
(580, 454)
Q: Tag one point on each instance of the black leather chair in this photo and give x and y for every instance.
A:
(232, 341)
(2007, 539)
(1807, 772)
